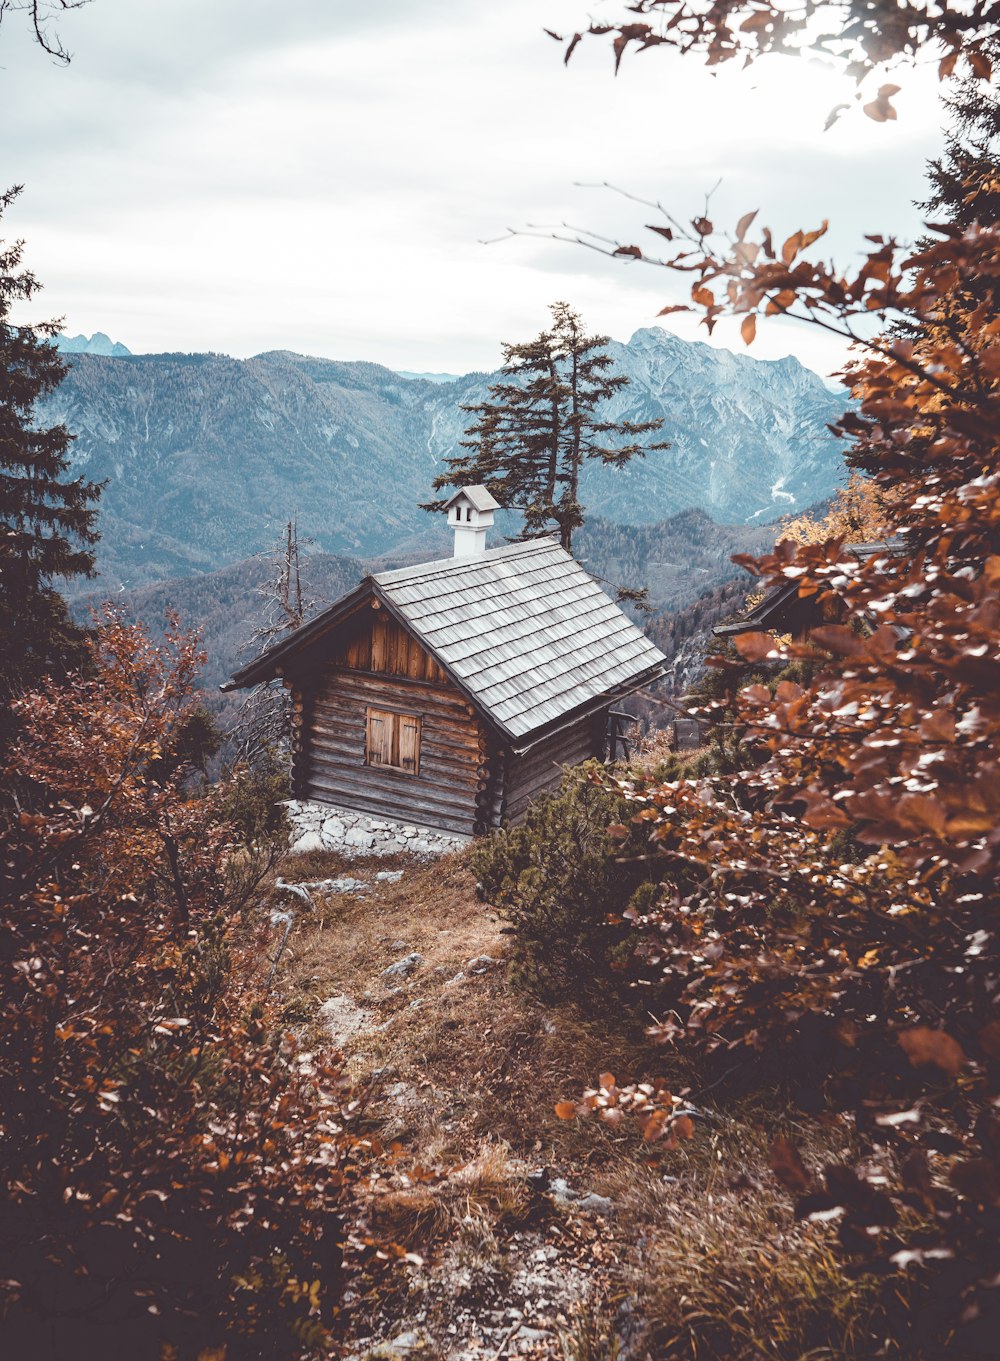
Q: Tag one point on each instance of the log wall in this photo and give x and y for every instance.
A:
(467, 780)
(453, 788)
(541, 768)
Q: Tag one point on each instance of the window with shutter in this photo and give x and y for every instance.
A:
(409, 743)
(393, 740)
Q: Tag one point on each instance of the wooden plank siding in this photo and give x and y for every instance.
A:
(541, 768)
(381, 668)
(377, 643)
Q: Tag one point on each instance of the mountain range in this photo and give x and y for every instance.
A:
(98, 343)
(204, 456)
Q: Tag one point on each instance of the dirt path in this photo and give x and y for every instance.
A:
(518, 1244)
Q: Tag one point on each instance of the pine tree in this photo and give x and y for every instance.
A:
(965, 179)
(46, 518)
(529, 441)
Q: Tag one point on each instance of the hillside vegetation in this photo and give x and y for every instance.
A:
(205, 456)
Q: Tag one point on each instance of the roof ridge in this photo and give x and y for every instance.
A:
(442, 566)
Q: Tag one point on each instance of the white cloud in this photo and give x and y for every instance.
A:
(246, 175)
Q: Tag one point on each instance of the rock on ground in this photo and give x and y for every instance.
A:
(343, 1018)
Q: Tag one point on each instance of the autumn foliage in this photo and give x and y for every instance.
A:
(175, 1171)
(832, 911)
(828, 916)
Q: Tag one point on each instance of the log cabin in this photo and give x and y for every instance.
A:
(451, 694)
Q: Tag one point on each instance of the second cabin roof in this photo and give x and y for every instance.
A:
(523, 630)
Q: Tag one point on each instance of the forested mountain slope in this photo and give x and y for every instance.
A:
(205, 455)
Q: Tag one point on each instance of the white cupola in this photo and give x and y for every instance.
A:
(470, 514)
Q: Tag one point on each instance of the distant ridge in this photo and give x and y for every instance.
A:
(205, 456)
(430, 377)
(98, 343)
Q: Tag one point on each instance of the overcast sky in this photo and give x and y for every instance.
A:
(318, 175)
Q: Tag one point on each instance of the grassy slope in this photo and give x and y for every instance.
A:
(701, 1254)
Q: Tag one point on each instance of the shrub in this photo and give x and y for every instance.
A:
(554, 879)
(175, 1175)
(251, 799)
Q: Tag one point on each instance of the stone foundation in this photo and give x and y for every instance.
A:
(324, 827)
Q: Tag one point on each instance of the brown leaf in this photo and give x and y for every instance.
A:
(791, 248)
(786, 1163)
(748, 329)
(754, 647)
(977, 1180)
(926, 1047)
(684, 1127)
(565, 1110)
(989, 1038)
(880, 110)
(743, 226)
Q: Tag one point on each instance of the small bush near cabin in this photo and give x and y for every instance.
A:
(555, 880)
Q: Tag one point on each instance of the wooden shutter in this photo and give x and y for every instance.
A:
(393, 740)
(409, 743)
(381, 730)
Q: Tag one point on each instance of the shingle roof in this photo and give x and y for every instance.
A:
(524, 631)
(528, 634)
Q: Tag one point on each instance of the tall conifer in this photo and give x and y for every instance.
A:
(529, 441)
(46, 517)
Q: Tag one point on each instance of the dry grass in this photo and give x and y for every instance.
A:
(725, 1272)
(474, 1201)
(465, 1070)
(479, 1059)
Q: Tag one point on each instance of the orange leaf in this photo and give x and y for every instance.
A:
(925, 1047)
(565, 1110)
(653, 1128)
(754, 646)
(786, 1163)
(748, 330)
(684, 1127)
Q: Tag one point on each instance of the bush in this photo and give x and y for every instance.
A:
(175, 1177)
(554, 878)
(251, 800)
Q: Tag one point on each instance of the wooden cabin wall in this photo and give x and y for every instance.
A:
(380, 666)
(541, 768)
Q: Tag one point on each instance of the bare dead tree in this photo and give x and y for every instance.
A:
(41, 16)
(263, 726)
